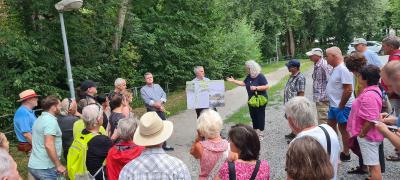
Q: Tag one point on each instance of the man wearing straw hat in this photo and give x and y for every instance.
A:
(154, 162)
(24, 118)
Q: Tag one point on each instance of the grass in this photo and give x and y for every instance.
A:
(274, 97)
(21, 159)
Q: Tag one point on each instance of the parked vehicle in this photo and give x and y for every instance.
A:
(374, 46)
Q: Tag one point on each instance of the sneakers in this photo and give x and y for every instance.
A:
(344, 157)
(290, 136)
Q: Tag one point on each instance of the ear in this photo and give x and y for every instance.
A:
(291, 124)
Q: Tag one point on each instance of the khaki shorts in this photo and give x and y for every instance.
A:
(322, 112)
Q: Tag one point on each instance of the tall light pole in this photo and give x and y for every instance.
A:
(276, 46)
(64, 6)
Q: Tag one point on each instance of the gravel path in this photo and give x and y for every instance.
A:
(273, 147)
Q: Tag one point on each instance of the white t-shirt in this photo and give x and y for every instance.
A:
(318, 134)
(334, 89)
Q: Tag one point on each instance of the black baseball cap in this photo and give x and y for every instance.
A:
(85, 85)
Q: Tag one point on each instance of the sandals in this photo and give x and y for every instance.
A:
(393, 158)
(357, 170)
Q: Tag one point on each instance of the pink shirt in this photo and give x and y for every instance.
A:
(212, 152)
(366, 108)
(245, 170)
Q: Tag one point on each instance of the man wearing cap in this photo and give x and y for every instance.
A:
(321, 73)
(360, 44)
(295, 86)
(24, 118)
(154, 163)
(88, 90)
(154, 98)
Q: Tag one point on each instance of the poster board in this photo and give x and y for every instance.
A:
(205, 94)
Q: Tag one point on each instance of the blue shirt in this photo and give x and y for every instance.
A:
(152, 94)
(372, 58)
(23, 122)
(46, 125)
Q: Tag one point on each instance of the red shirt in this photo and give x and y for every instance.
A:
(394, 56)
(120, 155)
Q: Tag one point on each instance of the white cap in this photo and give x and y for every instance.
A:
(315, 51)
(359, 41)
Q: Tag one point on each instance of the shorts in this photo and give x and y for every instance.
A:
(369, 151)
(322, 111)
(339, 115)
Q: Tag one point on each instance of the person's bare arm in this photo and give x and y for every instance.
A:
(237, 82)
(347, 90)
(197, 150)
(259, 88)
(366, 127)
(393, 138)
(51, 151)
(28, 137)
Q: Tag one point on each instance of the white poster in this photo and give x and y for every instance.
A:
(205, 94)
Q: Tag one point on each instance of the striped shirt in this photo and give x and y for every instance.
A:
(296, 83)
(320, 77)
(155, 164)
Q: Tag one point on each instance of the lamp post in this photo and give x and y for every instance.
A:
(276, 46)
(64, 6)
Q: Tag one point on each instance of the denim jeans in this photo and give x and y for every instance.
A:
(44, 174)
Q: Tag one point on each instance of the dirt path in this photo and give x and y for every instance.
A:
(185, 122)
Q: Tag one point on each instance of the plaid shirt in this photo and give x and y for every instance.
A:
(295, 84)
(155, 164)
(322, 71)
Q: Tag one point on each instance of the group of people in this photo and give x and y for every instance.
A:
(99, 137)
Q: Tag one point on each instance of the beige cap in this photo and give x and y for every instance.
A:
(152, 130)
(315, 51)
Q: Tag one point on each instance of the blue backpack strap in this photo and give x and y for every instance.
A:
(232, 170)
(256, 168)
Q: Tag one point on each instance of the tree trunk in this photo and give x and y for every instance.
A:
(292, 44)
(120, 26)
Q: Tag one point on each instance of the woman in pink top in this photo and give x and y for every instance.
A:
(245, 142)
(365, 111)
(209, 147)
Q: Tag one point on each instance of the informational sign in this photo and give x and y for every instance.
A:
(205, 94)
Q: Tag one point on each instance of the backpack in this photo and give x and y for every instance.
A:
(76, 158)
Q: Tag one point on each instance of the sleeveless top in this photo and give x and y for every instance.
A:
(212, 151)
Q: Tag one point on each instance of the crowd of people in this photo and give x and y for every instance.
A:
(100, 138)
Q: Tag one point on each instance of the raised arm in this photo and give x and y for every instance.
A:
(237, 82)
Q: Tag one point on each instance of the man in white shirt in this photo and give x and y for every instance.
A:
(300, 113)
(340, 93)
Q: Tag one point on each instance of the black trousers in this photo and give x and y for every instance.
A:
(199, 110)
(258, 117)
(163, 117)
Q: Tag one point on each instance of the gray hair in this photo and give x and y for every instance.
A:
(6, 163)
(254, 68)
(64, 106)
(209, 123)
(334, 51)
(392, 41)
(146, 74)
(391, 69)
(91, 114)
(196, 69)
(127, 128)
(119, 81)
(302, 111)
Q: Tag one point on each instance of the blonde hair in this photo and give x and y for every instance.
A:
(254, 68)
(209, 124)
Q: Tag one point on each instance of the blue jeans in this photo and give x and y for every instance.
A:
(44, 174)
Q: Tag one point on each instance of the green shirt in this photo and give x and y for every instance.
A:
(46, 124)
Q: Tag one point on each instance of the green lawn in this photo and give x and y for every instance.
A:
(274, 97)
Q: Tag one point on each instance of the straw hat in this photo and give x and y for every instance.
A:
(27, 94)
(152, 130)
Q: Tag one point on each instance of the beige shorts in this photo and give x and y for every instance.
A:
(322, 112)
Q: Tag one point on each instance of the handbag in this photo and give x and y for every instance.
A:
(257, 101)
(24, 147)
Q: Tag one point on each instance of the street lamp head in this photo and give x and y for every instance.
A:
(68, 5)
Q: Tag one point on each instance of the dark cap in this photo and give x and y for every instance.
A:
(293, 63)
(85, 85)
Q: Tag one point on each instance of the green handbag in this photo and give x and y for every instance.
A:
(257, 101)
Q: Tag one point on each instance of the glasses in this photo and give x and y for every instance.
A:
(69, 104)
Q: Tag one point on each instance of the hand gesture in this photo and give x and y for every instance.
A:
(253, 88)
(230, 79)
(61, 170)
(381, 127)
